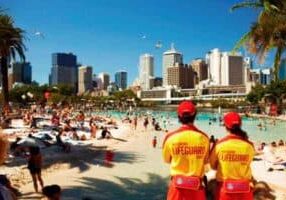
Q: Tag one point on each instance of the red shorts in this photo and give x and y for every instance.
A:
(221, 195)
(185, 194)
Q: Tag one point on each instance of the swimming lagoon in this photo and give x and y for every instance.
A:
(210, 123)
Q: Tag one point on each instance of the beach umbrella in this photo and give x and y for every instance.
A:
(28, 142)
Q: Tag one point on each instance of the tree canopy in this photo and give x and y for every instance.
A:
(268, 32)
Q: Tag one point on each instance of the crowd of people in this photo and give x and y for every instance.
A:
(187, 149)
(63, 123)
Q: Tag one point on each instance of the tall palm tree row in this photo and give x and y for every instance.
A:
(11, 45)
(268, 32)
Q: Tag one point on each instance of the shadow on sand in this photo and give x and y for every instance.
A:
(81, 157)
(123, 188)
(155, 188)
(91, 155)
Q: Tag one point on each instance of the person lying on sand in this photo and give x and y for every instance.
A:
(105, 134)
(55, 120)
(67, 126)
(66, 147)
(269, 156)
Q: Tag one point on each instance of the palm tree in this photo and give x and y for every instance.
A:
(266, 5)
(268, 33)
(11, 45)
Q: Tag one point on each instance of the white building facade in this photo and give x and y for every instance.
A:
(146, 71)
(214, 61)
(104, 80)
(170, 58)
(225, 68)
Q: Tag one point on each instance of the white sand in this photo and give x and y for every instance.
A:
(138, 171)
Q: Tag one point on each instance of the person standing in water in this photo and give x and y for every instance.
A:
(135, 121)
(231, 157)
(186, 150)
(146, 122)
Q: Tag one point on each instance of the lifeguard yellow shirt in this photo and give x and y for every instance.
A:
(187, 151)
(231, 157)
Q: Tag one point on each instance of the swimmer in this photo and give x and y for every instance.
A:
(273, 144)
(281, 143)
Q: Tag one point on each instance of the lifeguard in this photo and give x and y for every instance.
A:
(231, 157)
(187, 151)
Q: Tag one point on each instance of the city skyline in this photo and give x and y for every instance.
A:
(103, 38)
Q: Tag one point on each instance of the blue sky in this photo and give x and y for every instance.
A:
(106, 34)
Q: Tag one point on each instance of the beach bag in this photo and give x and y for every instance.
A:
(186, 182)
(236, 186)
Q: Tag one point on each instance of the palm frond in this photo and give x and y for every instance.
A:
(11, 38)
(241, 42)
(246, 4)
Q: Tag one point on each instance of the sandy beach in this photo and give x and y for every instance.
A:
(134, 173)
(137, 170)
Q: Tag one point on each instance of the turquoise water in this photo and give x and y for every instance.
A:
(169, 120)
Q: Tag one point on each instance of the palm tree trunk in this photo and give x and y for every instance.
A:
(277, 63)
(5, 91)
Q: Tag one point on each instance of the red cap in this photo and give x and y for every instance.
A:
(186, 107)
(231, 119)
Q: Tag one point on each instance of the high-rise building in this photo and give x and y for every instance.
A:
(104, 80)
(200, 68)
(170, 58)
(95, 81)
(112, 87)
(232, 69)
(19, 72)
(84, 79)
(146, 71)
(261, 76)
(282, 70)
(121, 79)
(214, 61)
(181, 75)
(266, 76)
(158, 82)
(64, 69)
(247, 61)
(248, 66)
